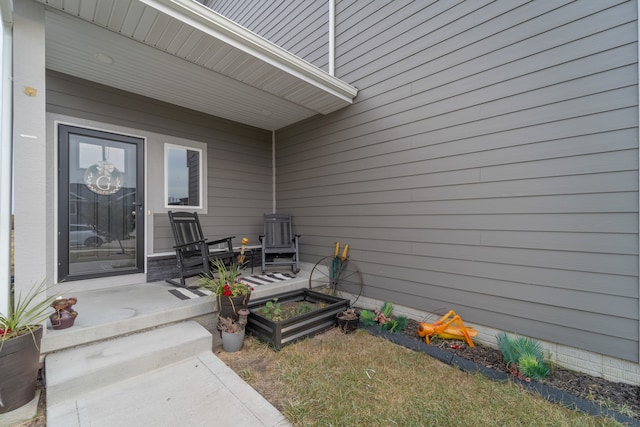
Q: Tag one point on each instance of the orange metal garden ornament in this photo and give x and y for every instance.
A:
(241, 256)
(449, 327)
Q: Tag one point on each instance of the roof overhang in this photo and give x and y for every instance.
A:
(183, 53)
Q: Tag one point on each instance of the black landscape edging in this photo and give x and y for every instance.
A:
(549, 393)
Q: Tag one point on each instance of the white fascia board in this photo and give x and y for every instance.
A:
(206, 20)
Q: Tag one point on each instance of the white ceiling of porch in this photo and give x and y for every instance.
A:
(180, 52)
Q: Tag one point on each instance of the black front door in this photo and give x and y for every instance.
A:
(101, 212)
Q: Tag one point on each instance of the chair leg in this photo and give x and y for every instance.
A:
(179, 284)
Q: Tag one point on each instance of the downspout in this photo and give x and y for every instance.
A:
(638, 142)
(332, 37)
(6, 130)
(273, 171)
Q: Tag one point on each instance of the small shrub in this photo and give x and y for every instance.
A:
(383, 318)
(532, 367)
(271, 310)
(524, 354)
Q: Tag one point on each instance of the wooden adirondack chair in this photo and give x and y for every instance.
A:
(193, 250)
(279, 244)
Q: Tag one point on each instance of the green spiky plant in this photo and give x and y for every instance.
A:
(524, 354)
(532, 367)
(26, 313)
(384, 318)
(20, 337)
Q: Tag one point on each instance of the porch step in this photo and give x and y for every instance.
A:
(73, 372)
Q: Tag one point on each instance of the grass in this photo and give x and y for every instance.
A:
(358, 379)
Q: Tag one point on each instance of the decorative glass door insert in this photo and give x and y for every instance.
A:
(100, 204)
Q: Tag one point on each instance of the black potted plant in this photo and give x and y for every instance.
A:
(20, 336)
(231, 294)
(348, 320)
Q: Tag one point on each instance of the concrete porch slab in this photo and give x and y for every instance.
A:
(120, 310)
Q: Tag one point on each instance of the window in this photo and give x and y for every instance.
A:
(183, 176)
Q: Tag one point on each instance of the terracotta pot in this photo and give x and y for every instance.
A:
(229, 306)
(232, 341)
(62, 319)
(19, 365)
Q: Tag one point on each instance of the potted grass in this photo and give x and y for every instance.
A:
(231, 294)
(20, 336)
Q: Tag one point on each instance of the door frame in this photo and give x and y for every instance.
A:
(62, 199)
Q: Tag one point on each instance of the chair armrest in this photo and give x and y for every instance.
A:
(217, 242)
(184, 245)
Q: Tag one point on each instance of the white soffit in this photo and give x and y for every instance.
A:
(181, 52)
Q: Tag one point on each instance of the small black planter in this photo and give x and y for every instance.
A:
(348, 325)
(284, 332)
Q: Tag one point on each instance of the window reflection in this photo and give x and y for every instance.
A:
(182, 172)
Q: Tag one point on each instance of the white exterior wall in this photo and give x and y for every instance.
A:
(5, 156)
(29, 147)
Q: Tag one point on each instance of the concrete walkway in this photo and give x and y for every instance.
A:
(164, 377)
(138, 356)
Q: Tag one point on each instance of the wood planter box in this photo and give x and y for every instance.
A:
(283, 332)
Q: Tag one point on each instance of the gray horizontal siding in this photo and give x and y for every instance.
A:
(301, 27)
(239, 157)
(489, 164)
(528, 65)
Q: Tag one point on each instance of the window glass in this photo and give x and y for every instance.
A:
(183, 176)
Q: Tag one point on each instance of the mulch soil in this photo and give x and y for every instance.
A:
(597, 390)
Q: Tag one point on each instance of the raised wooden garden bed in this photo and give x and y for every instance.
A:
(282, 332)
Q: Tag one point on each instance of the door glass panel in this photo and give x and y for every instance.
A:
(102, 205)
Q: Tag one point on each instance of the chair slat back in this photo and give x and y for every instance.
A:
(277, 231)
(186, 228)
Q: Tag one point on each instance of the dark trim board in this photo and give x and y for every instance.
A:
(164, 267)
